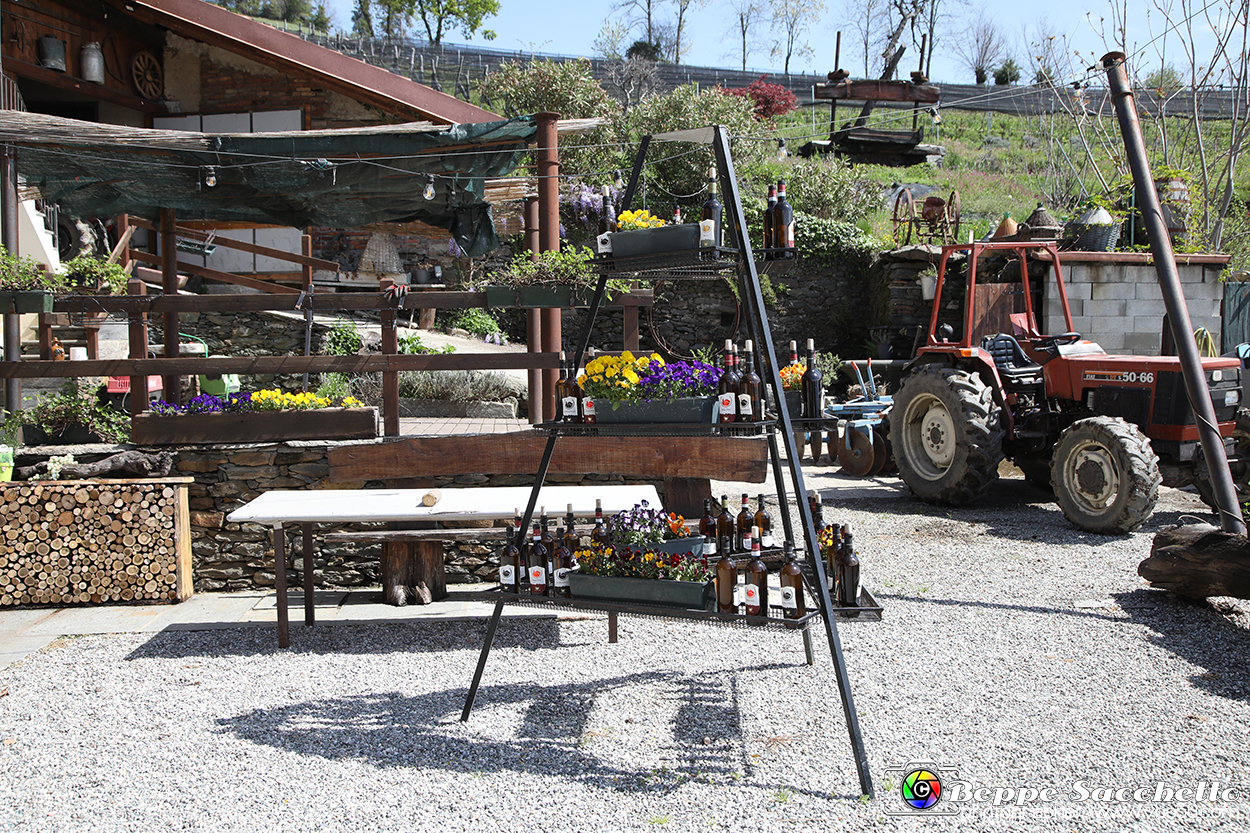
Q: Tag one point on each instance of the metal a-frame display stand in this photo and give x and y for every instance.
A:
(735, 229)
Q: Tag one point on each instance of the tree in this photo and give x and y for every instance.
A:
(984, 47)
(608, 42)
(644, 50)
(641, 13)
(1008, 72)
(1049, 54)
(747, 17)
(869, 16)
(438, 16)
(362, 19)
(1164, 80)
(792, 19)
(679, 26)
(396, 14)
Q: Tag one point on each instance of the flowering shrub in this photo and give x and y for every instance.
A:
(642, 563)
(670, 381)
(642, 218)
(792, 376)
(264, 400)
(615, 378)
(644, 525)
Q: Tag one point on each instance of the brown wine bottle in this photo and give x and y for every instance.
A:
(600, 534)
(510, 563)
(725, 528)
(769, 231)
(566, 398)
(750, 389)
(707, 528)
(793, 605)
(727, 389)
(571, 539)
(710, 224)
(764, 521)
(831, 560)
(746, 520)
(538, 561)
(848, 572)
(726, 583)
(812, 385)
(756, 592)
(561, 566)
(783, 224)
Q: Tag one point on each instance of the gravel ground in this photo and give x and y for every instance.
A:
(1015, 652)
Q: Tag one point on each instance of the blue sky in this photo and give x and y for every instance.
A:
(570, 27)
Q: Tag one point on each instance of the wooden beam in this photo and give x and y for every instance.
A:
(213, 274)
(876, 90)
(253, 248)
(520, 453)
(277, 365)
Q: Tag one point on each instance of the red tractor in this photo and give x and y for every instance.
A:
(1103, 431)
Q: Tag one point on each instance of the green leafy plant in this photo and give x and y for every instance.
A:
(95, 273)
(454, 385)
(474, 320)
(334, 386)
(72, 407)
(342, 340)
(24, 274)
(413, 346)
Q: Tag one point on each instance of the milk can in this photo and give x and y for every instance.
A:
(50, 51)
(91, 63)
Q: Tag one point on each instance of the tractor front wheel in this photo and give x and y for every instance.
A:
(1106, 475)
(947, 435)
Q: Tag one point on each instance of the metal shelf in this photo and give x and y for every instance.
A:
(685, 265)
(659, 429)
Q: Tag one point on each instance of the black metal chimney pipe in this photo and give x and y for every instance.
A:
(1173, 298)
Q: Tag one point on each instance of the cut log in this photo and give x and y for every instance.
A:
(1198, 561)
(133, 462)
(412, 571)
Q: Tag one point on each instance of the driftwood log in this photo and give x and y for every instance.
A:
(132, 462)
(412, 571)
(1198, 561)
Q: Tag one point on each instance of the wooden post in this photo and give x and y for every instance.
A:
(533, 322)
(138, 331)
(548, 157)
(390, 378)
(310, 609)
(279, 586)
(169, 320)
(8, 237)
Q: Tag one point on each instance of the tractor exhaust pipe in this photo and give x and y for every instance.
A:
(1173, 298)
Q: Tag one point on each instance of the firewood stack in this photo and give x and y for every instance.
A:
(96, 542)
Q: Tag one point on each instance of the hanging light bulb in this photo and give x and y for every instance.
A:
(782, 152)
(428, 193)
(210, 176)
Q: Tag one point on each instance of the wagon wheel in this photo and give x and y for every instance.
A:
(952, 217)
(148, 75)
(904, 215)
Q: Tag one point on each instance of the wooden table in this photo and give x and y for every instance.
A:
(341, 506)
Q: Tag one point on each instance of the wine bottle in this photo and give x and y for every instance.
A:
(600, 534)
(677, 219)
(510, 564)
(727, 389)
(794, 352)
(818, 509)
(571, 539)
(769, 236)
(566, 399)
(746, 520)
(726, 582)
(793, 605)
(537, 563)
(707, 528)
(848, 572)
(607, 223)
(812, 385)
(725, 528)
(549, 541)
(764, 522)
(831, 561)
(561, 566)
(710, 224)
(756, 595)
(750, 389)
(783, 224)
(523, 547)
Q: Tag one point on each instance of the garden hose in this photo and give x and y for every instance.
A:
(1206, 343)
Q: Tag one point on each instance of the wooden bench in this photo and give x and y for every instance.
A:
(412, 559)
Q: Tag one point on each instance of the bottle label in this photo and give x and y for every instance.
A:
(569, 405)
(744, 405)
(709, 546)
(588, 406)
(603, 244)
(707, 229)
(766, 540)
(752, 594)
(562, 577)
(538, 575)
(507, 574)
(728, 403)
(787, 236)
(789, 599)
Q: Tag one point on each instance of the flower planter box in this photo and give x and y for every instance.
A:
(683, 409)
(653, 241)
(687, 595)
(255, 426)
(74, 435)
(680, 546)
(25, 300)
(536, 296)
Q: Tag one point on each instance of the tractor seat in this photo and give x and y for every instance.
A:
(1013, 365)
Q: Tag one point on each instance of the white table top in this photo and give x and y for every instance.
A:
(478, 503)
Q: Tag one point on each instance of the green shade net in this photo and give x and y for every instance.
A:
(336, 178)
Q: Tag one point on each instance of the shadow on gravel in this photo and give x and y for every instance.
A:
(388, 729)
(408, 637)
(1197, 634)
(1085, 614)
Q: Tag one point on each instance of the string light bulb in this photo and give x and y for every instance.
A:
(782, 151)
(428, 193)
(210, 176)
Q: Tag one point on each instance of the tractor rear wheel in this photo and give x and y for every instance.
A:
(947, 435)
(1106, 475)
(1238, 466)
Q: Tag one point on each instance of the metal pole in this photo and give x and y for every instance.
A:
(533, 323)
(549, 241)
(1173, 297)
(8, 229)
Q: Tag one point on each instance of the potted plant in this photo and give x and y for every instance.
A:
(647, 563)
(264, 416)
(553, 279)
(648, 389)
(73, 416)
(88, 274)
(24, 285)
(641, 234)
